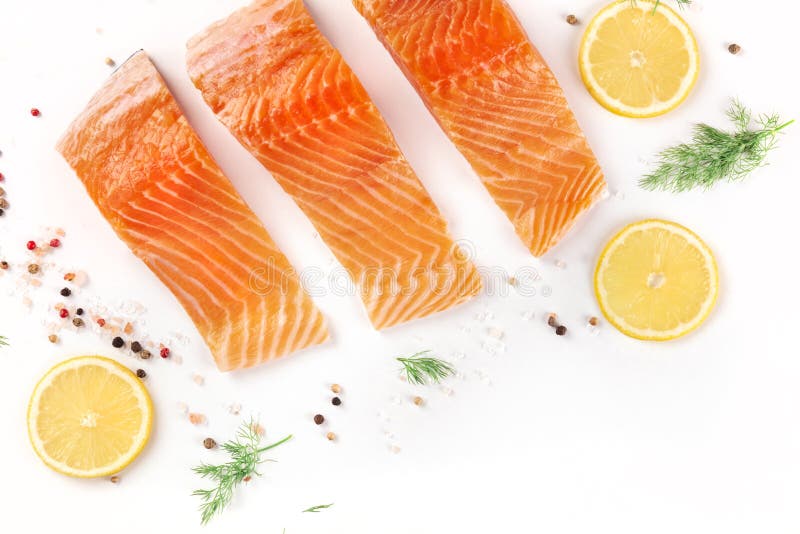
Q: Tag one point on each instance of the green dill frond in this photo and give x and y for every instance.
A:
(715, 155)
(317, 508)
(420, 369)
(3, 341)
(681, 3)
(245, 457)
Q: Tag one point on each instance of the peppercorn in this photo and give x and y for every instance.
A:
(209, 443)
(734, 48)
(561, 330)
(101, 322)
(79, 311)
(110, 62)
(164, 352)
(33, 268)
(3, 203)
(136, 347)
(114, 479)
(331, 436)
(418, 401)
(2, 177)
(52, 338)
(66, 292)
(63, 313)
(31, 245)
(141, 373)
(55, 243)
(336, 388)
(319, 419)
(145, 355)
(552, 319)
(572, 20)
(2, 192)
(3, 265)
(118, 342)
(593, 321)
(69, 277)
(336, 401)
(2, 212)
(77, 321)
(35, 112)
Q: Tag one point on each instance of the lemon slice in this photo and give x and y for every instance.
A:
(639, 60)
(89, 417)
(656, 280)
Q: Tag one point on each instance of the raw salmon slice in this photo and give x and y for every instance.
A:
(497, 100)
(288, 96)
(167, 199)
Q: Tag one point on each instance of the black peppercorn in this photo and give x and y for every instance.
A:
(572, 19)
(3, 265)
(66, 292)
(734, 48)
(319, 419)
(561, 330)
(141, 373)
(79, 311)
(336, 401)
(118, 342)
(136, 347)
(209, 443)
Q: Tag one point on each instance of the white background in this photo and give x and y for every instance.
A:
(553, 435)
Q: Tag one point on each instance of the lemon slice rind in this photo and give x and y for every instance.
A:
(615, 105)
(650, 334)
(139, 440)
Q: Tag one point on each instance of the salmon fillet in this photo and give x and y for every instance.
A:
(166, 198)
(497, 100)
(289, 97)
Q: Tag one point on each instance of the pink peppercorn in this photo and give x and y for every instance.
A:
(35, 112)
(2, 177)
(101, 322)
(55, 243)
(31, 245)
(165, 352)
(63, 313)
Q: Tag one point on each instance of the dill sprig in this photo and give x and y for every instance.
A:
(681, 3)
(715, 155)
(317, 508)
(245, 457)
(420, 369)
(3, 341)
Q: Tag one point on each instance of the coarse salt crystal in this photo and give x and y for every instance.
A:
(197, 418)
(198, 379)
(235, 408)
(495, 332)
(81, 278)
